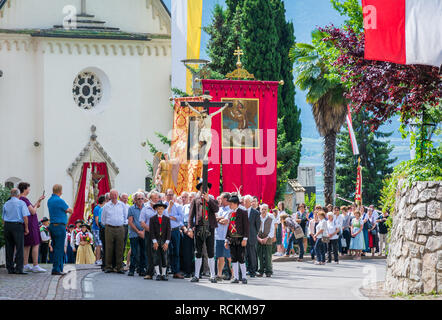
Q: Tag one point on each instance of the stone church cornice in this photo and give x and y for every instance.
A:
(21, 40)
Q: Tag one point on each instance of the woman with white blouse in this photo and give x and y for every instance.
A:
(333, 233)
(321, 231)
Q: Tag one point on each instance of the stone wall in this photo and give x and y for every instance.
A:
(414, 263)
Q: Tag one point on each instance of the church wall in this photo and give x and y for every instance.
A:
(21, 120)
(137, 107)
(144, 16)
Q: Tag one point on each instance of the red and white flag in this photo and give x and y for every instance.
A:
(403, 31)
(354, 144)
(358, 193)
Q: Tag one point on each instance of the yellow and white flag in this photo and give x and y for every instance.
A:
(186, 40)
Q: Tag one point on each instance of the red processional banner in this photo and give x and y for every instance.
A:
(244, 137)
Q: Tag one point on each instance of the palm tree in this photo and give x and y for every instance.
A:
(325, 94)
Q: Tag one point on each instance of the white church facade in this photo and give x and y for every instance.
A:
(110, 72)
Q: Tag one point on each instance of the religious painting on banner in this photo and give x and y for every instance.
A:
(184, 146)
(240, 124)
(245, 137)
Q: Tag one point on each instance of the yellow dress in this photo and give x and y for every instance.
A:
(166, 175)
(84, 253)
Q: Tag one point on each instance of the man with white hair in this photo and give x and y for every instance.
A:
(188, 243)
(15, 216)
(146, 213)
(254, 224)
(136, 237)
(265, 241)
(114, 216)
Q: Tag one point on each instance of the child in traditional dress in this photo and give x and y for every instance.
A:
(69, 253)
(160, 234)
(45, 245)
(84, 240)
(74, 233)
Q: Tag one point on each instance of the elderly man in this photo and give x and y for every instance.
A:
(175, 215)
(221, 252)
(254, 223)
(136, 237)
(15, 216)
(146, 213)
(58, 210)
(265, 236)
(103, 234)
(113, 217)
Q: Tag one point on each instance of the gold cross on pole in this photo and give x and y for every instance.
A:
(239, 53)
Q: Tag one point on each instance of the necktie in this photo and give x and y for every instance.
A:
(160, 219)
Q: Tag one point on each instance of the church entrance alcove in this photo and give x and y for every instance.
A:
(93, 174)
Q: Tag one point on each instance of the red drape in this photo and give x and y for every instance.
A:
(253, 169)
(103, 187)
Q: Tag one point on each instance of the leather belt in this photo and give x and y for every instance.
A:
(108, 225)
(177, 228)
(58, 224)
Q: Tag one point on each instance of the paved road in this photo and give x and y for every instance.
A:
(291, 280)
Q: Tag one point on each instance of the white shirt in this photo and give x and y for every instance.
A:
(331, 228)
(272, 227)
(221, 231)
(114, 214)
(339, 221)
(45, 237)
(126, 222)
(322, 225)
(78, 240)
(311, 227)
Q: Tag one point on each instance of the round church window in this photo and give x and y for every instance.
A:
(87, 90)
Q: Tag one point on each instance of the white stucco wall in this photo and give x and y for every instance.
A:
(130, 15)
(37, 105)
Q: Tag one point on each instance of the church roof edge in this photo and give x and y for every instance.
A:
(84, 34)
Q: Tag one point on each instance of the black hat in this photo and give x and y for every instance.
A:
(84, 225)
(160, 204)
(71, 226)
(234, 199)
(200, 184)
(44, 219)
(78, 221)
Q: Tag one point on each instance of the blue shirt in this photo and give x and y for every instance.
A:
(134, 212)
(176, 213)
(14, 210)
(57, 209)
(146, 213)
(97, 213)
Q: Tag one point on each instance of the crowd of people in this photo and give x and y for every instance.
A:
(191, 235)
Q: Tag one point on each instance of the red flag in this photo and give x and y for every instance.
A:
(403, 31)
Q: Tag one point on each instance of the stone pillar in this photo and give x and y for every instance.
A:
(414, 263)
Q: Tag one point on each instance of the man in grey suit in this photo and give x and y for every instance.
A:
(254, 224)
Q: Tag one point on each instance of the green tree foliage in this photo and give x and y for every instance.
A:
(375, 160)
(325, 94)
(353, 11)
(286, 162)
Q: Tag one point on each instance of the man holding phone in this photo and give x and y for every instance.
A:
(59, 213)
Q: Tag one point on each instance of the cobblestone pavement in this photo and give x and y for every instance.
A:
(44, 286)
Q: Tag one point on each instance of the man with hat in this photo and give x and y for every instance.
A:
(45, 245)
(202, 223)
(236, 238)
(160, 234)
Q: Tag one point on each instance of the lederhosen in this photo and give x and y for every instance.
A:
(237, 251)
(204, 234)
